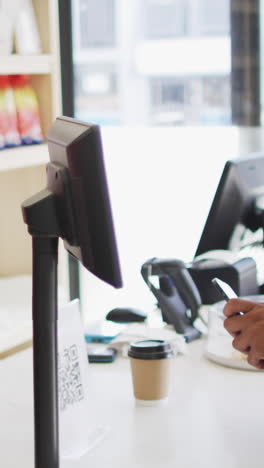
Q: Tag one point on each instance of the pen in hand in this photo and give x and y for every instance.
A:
(225, 290)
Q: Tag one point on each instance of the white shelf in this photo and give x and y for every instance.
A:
(23, 156)
(26, 64)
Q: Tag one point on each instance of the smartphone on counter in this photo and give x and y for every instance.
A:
(102, 331)
(101, 354)
(225, 290)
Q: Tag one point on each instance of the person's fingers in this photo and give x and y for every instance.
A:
(242, 341)
(256, 360)
(237, 323)
(250, 341)
(234, 306)
(233, 325)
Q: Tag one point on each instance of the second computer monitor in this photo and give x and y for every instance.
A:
(235, 220)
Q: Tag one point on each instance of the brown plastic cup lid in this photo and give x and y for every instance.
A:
(150, 349)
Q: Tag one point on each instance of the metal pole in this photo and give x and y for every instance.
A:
(44, 305)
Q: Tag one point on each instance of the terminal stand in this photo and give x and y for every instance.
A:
(75, 207)
(40, 215)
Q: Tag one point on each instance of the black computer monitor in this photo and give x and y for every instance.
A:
(74, 206)
(235, 220)
(76, 175)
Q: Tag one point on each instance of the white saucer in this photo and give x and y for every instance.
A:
(220, 350)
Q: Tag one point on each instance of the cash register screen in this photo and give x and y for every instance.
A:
(236, 217)
(76, 175)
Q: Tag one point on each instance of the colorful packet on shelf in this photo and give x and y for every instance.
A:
(28, 120)
(9, 135)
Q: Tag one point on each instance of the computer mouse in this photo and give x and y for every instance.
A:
(126, 315)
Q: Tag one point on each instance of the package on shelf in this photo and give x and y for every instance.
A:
(6, 36)
(27, 36)
(28, 121)
(9, 135)
(19, 28)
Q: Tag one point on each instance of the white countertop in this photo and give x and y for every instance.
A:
(214, 417)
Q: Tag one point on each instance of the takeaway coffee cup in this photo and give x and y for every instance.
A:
(150, 366)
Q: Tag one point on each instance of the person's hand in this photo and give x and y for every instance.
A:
(247, 329)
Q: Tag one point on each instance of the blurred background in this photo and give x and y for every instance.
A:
(176, 86)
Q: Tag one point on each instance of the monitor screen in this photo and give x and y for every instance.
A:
(236, 217)
(76, 174)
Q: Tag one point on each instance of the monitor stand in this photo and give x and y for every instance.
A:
(40, 215)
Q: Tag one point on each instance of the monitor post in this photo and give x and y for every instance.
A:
(40, 215)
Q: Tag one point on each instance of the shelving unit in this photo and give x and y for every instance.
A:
(22, 169)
